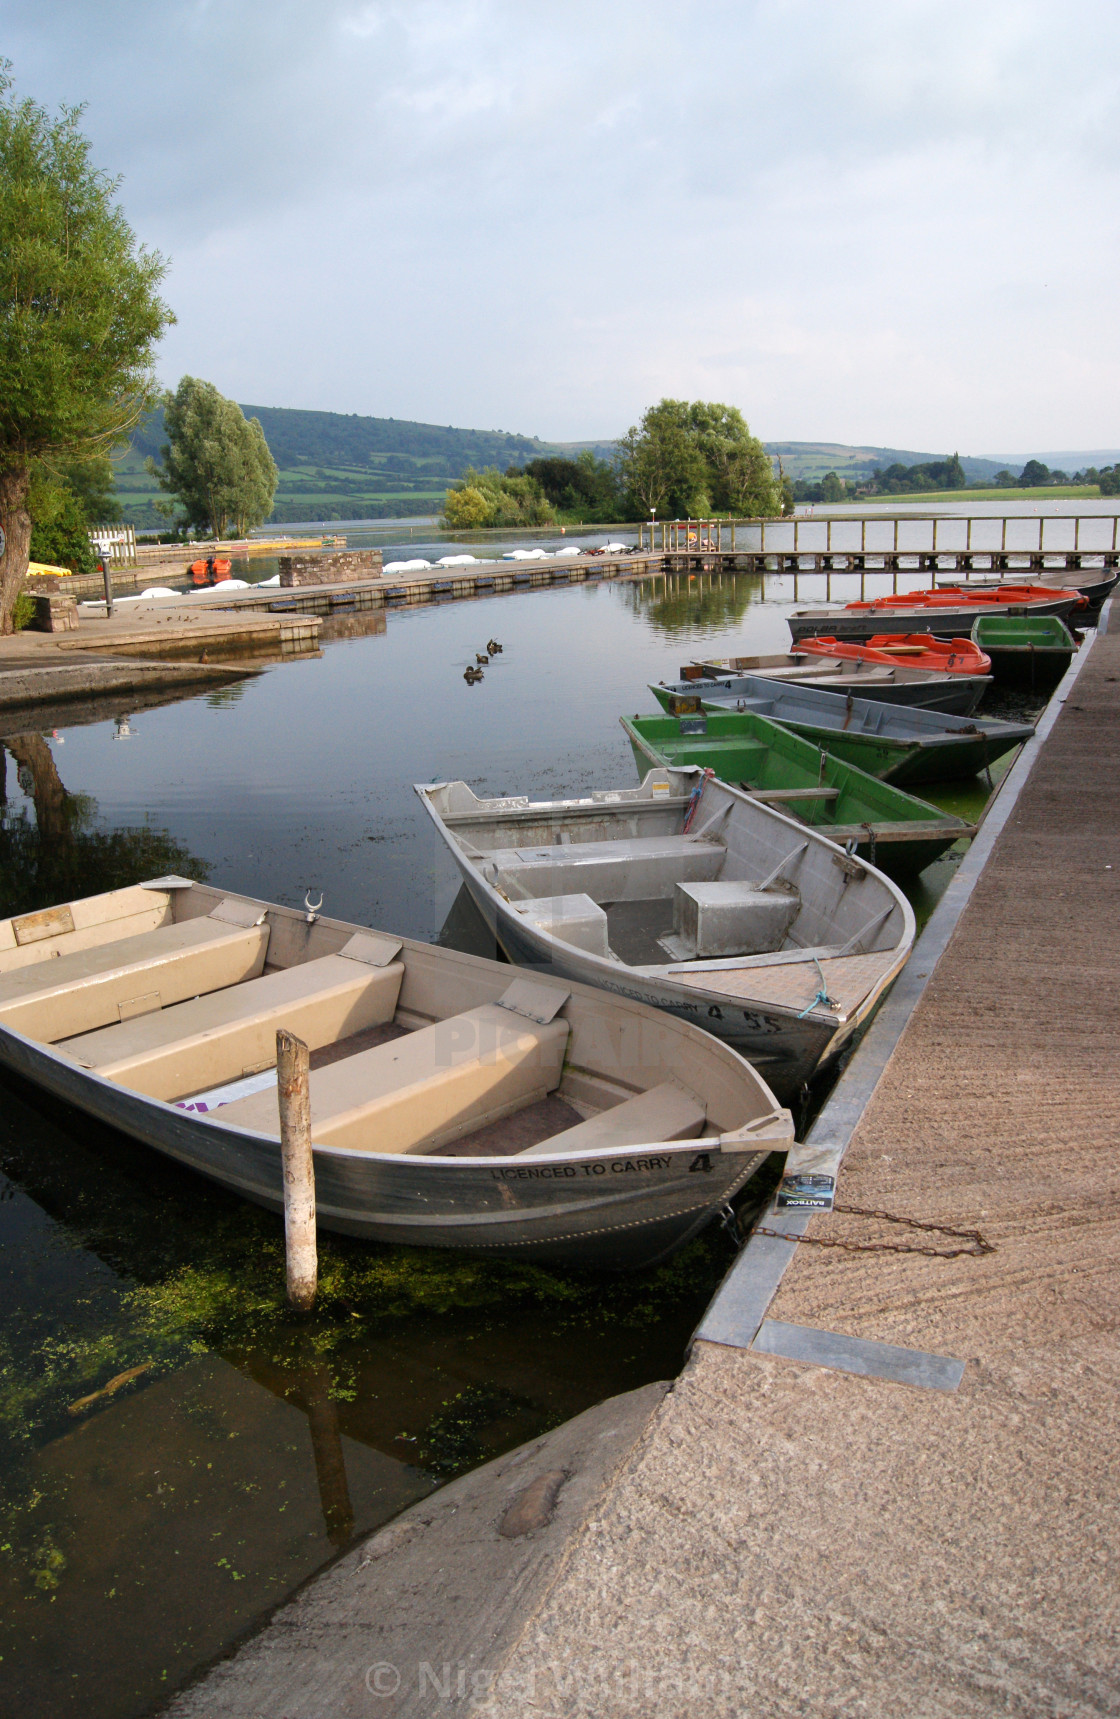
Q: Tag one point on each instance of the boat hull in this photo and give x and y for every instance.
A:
(906, 748)
(955, 695)
(886, 827)
(862, 624)
(616, 1210)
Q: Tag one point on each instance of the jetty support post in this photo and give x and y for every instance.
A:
(293, 1080)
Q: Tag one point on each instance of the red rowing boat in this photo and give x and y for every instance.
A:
(954, 596)
(916, 650)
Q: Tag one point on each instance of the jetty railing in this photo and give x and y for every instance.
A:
(878, 533)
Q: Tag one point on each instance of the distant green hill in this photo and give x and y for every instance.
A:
(812, 460)
(334, 466)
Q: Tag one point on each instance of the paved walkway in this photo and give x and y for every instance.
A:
(791, 1539)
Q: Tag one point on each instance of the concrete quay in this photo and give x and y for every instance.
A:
(886, 1480)
(142, 650)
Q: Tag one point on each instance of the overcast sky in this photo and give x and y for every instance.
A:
(870, 221)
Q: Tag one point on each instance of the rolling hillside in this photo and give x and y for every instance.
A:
(338, 467)
(334, 466)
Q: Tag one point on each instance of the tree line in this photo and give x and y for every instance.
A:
(948, 474)
(683, 460)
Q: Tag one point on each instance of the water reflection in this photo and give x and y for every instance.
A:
(695, 604)
(62, 851)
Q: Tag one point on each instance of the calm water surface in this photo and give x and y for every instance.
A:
(177, 1454)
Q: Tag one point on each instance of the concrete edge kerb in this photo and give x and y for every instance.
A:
(740, 1304)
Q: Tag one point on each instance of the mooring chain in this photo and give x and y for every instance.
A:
(980, 1244)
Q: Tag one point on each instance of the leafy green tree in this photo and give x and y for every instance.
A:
(216, 461)
(740, 475)
(584, 488)
(59, 526)
(1034, 474)
(661, 463)
(1109, 480)
(688, 459)
(80, 313)
(488, 498)
(94, 485)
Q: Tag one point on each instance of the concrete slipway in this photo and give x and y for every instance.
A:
(774, 1535)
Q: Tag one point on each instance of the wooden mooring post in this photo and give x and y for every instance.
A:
(293, 1080)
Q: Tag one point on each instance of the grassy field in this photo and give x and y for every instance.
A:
(321, 492)
(1045, 492)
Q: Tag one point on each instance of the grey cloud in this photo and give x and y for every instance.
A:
(543, 216)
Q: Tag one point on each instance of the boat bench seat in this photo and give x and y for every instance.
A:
(421, 1091)
(221, 1037)
(665, 1112)
(134, 976)
(637, 868)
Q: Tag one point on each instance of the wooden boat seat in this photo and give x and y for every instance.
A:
(665, 1112)
(221, 1037)
(636, 868)
(417, 1092)
(92, 987)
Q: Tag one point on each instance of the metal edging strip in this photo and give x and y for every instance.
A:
(735, 1314)
(862, 1355)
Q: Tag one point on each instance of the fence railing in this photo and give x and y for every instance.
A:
(115, 543)
(905, 534)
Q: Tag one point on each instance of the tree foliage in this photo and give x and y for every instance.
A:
(483, 499)
(898, 479)
(688, 459)
(59, 525)
(216, 462)
(80, 312)
(585, 488)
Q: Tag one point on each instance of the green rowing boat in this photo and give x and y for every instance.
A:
(889, 829)
(1032, 651)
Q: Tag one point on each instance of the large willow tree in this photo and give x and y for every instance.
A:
(80, 313)
(216, 462)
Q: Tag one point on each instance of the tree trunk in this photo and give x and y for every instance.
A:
(49, 794)
(15, 522)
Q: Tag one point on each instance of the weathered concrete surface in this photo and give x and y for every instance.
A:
(50, 684)
(446, 1586)
(145, 646)
(789, 1539)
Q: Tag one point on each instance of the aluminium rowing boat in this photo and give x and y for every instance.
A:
(1092, 583)
(688, 894)
(884, 681)
(947, 611)
(898, 745)
(890, 829)
(1030, 651)
(454, 1102)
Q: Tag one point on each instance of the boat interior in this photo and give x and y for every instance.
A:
(648, 878)
(811, 671)
(174, 991)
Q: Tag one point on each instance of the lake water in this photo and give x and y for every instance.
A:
(172, 1440)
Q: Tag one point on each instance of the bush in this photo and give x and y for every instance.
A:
(59, 535)
(481, 499)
